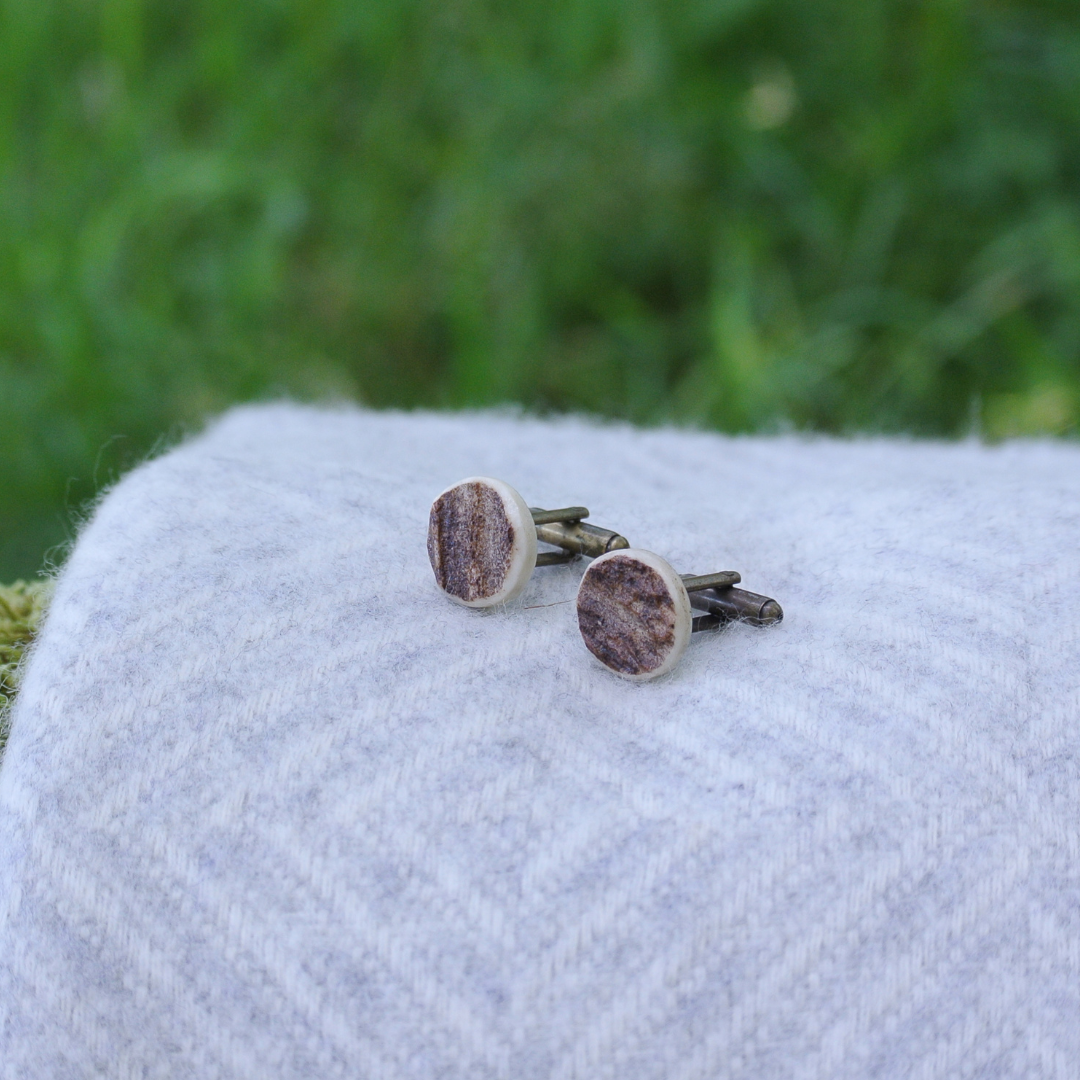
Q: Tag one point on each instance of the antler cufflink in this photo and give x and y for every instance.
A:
(635, 611)
(482, 540)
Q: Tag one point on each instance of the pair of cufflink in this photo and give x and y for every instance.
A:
(634, 610)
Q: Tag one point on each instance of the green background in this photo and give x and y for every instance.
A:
(839, 215)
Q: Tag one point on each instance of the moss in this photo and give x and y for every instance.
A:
(22, 607)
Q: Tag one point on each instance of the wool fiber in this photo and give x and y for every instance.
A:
(272, 806)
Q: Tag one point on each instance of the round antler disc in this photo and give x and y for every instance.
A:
(634, 613)
(481, 542)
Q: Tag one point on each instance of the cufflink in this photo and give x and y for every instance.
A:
(635, 612)
(482, 540)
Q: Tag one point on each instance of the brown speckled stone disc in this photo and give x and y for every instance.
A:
(478, 542)
(634, 614)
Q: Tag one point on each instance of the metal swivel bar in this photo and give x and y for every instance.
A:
(726, 604)
(566, 529)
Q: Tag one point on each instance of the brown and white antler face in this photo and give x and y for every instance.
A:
(481, 542)
(634, 613)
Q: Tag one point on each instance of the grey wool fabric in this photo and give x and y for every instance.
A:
(273, 807)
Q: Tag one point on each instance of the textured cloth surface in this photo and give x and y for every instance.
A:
(274, 807)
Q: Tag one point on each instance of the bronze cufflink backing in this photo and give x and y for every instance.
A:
(634, 610)
(482, 540)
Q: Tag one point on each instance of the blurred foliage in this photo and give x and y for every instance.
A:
(749, 214)
(22, 607)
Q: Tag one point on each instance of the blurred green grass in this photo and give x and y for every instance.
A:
(843, 215)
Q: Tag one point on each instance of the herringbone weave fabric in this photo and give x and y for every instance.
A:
(274, 807)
